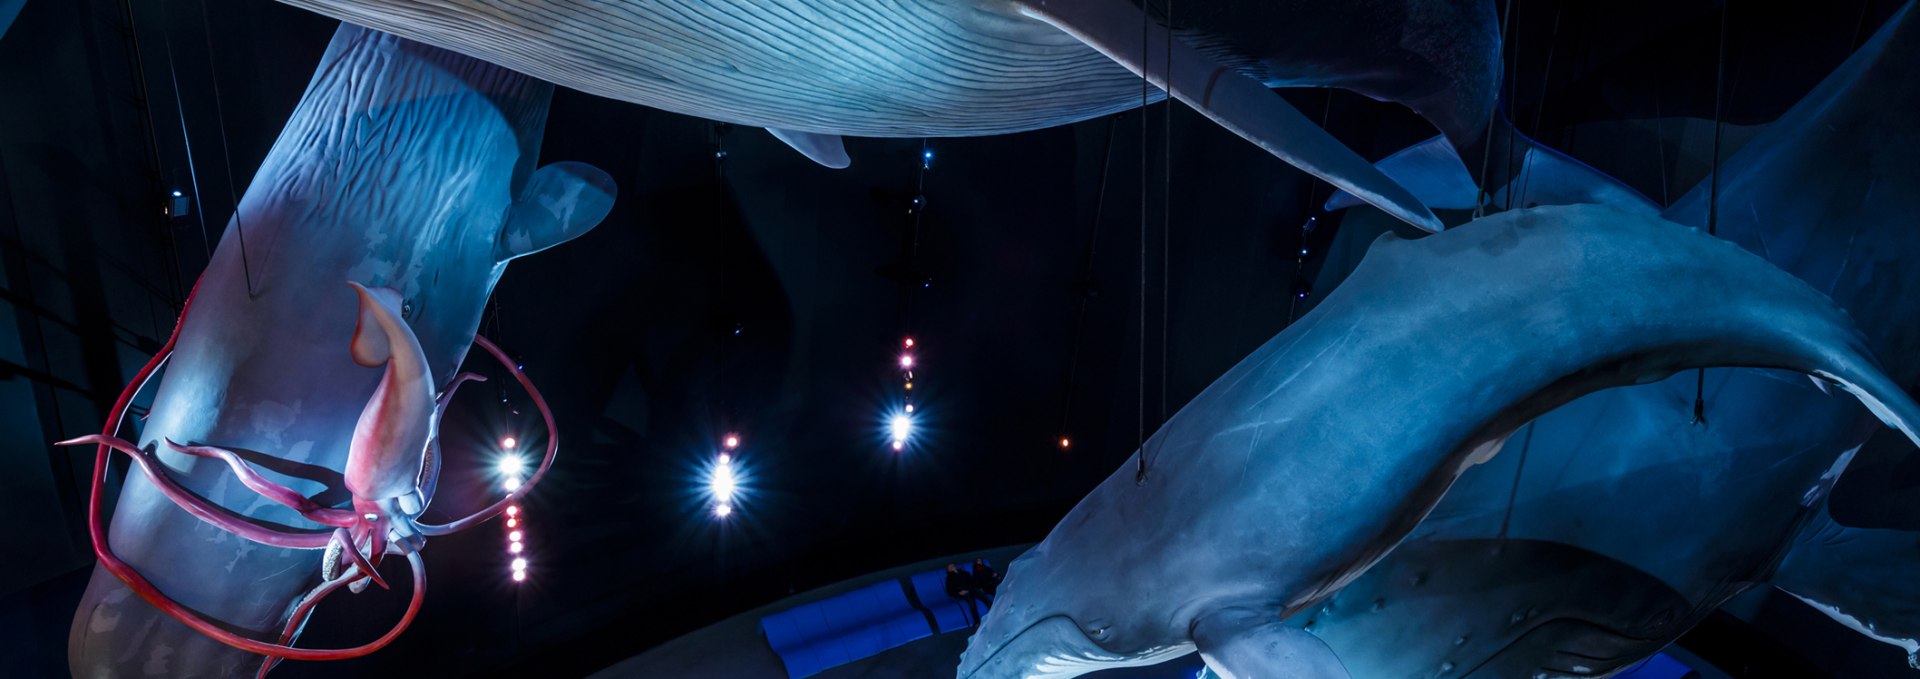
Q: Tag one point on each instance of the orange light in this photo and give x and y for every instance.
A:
(1064, 443)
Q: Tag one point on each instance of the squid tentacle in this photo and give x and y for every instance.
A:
(268, 489)
(96, 531)
(297, 618)
(199, 507)
(352, 552)
(553, 447)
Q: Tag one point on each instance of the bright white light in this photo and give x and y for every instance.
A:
(906, 360)
(909, 407)
(898, 445)
(909, 342)
(733, 441)
(513, 509)
(513, 548)
(722, 482)
(519, 576)
(1064, 443)
(513, 536)
(511, 465)
(723, 510)
(901, 426)
(512, 522)
(509, 442)
(726, 459)
(519, 564)
(512, 484)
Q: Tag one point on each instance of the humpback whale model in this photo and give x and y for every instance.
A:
(1598, 477)
(812, 70)
(1313, 457)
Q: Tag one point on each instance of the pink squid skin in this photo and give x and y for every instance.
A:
(384, 464)
(390, 439)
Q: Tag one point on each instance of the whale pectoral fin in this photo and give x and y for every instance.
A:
(1238, 103)
(1245, 644)
(561, 202)
(825, 149)
(1431, 169)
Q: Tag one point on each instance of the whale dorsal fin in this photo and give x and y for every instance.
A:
(825, 149)
(1238, 103)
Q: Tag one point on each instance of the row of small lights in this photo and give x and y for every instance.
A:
(511, 467)
(723, 481)
(900, 426)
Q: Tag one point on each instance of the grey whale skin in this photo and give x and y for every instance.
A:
(812, 70)
(1318, 453)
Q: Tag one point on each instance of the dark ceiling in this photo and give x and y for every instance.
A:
(760, 294)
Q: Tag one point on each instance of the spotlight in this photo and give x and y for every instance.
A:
(909, 407)
(721, 483)
(509, 442)
(511, 465)
(733, 441)
(726, 459)
(519, 576)
(513, 548)
(723, 511)
(513, 523)
(519, 564)
(906, 360)
(897, 445)
(901, 426)
(909, 342)
(513, 536)
(513, 509)
(512, 484)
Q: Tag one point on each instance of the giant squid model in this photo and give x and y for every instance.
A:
(371, 237)
(1315, 456)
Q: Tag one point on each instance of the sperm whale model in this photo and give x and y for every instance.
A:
(1317, 454)
(813, 70)
(410, 171)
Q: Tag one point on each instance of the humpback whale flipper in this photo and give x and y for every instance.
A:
(825, 149)
(1238, 103)
(1243, 644)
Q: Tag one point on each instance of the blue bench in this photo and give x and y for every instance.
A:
(815, 637)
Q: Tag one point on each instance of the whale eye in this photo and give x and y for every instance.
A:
(1099, 632)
